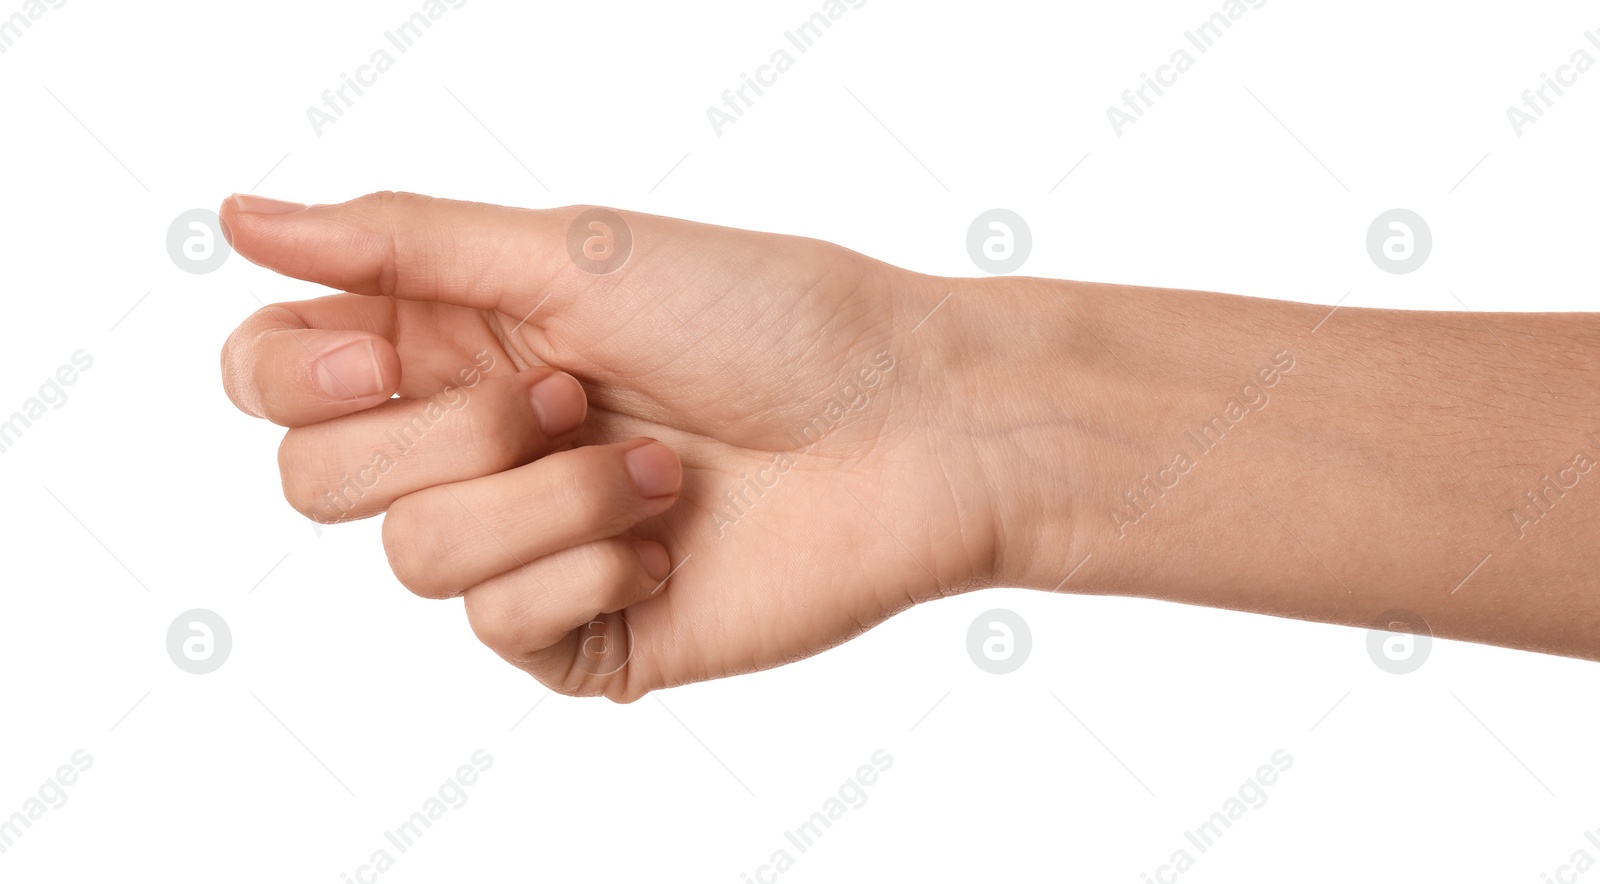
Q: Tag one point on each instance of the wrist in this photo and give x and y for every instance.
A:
(1032, 391)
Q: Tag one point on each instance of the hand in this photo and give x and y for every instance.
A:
(810, 393)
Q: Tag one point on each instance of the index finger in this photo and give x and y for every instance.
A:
(404, 245)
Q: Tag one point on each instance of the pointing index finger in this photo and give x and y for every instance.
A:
(403, 245)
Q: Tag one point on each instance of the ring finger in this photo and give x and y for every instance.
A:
(446, 538)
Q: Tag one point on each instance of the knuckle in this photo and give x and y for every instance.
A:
(384, 199)
(576, 681)
(620, 685)
(495, 440)
(498, 627)
(376, 211)
(241, 360)
(237, 377)
(265, 390)
(569, 687)
(411, 543)
(377, 205)
(588, 497)
(624, 690)
(608, 569)
(300, 487)
(617, 571)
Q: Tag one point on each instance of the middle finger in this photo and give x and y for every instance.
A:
(357, 465)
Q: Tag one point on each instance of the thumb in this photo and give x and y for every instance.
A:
(419, 248)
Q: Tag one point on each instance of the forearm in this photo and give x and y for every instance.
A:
(1268, 456)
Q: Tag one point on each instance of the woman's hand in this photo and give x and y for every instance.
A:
(807, 391)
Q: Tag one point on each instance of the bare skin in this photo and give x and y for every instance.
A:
(837, 439)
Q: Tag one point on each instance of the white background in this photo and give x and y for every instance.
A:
(346, 701)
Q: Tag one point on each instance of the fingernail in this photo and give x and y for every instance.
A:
(559, 404)
(350, 371)
(654, 469)
(654, 557)
(262, 205)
